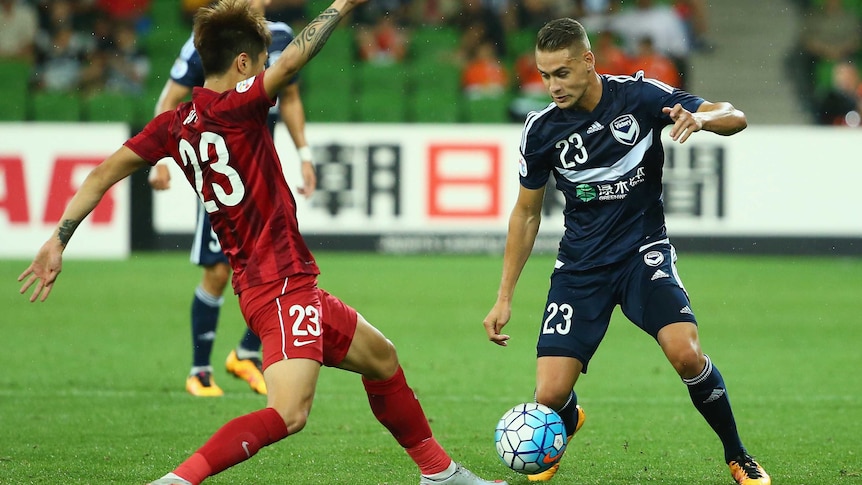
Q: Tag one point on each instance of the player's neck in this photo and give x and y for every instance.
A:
(219, 84)
(592, 95)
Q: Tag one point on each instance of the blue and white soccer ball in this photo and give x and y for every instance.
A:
(530, 438)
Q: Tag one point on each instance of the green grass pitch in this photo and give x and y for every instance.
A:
(91, 382)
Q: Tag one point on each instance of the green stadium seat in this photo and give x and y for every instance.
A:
(16, 77)
(437, 44)
(328, 105)
(56, 106)
(487, 110)
(166, 13)
(520, 42)
(382, 106)
(110, 107)
(434, 75)
(380, 77)
(13, 106)
(435, 107)
(15, 74)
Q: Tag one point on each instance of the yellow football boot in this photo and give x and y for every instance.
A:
(248, 370)
(550, 472)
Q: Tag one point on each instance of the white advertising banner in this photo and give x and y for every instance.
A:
(391, 180)
(41, 167)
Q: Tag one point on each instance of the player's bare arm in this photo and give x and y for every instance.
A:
(524, 224)
(306, 45)
(293, 116)
(48, 263)
(171, 96)
(720, 118)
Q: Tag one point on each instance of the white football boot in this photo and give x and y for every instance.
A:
(462, 476)
(171, 479)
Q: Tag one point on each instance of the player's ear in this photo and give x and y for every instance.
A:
(590, 59)
(243, 62)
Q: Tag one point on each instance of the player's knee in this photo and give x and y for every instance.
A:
(688, 362)
(385, 361)
(294, 419)
(552, 397)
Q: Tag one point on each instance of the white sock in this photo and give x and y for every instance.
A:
(244, 354)
(202, 368)
(453, 467)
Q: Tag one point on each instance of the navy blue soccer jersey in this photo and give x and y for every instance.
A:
(608, 164)
(188, 70)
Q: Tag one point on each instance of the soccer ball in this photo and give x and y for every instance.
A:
(530, 438)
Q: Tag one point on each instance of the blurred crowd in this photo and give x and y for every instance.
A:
(825, 62)
(89, 46)
(77, 46)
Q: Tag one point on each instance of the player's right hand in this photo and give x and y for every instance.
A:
(497, 318)
(160, 177)
(43, 271)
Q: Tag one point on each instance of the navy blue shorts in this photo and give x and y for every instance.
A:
(206, 250)
(580, 303)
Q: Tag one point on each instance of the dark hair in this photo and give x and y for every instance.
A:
(227, 29)
(561, 34)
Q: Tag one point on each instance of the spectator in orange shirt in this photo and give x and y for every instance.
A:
(484, 75)
(654, 64)
(610, 57)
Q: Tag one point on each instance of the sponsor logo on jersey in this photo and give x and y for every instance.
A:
(686, 310)
(596, 126)
(653, 258)
(522, 166)
(245, 85)
(585, 192)
(625, 129)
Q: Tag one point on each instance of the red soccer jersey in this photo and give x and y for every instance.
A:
(222, 144)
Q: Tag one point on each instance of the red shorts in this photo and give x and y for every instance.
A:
(296, 319)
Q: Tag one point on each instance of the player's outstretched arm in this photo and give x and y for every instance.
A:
(306, 45)
(720, 118)
(523, 228)
(48, 263)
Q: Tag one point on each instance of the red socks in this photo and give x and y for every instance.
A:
(396, 407)
(235, 442)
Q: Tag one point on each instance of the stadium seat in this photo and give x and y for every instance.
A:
(13, 103)
(380, 77)
(110, 107)
(56, 106)
(381, 106)
(434, 107)
(328, 105)
(437, 44)
(424, 74)
(520, 42)
(487, 110)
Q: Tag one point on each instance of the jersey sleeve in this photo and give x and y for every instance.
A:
(151, 143)
(188, 69)
(247, 103)
(533, 168)
(658, 95)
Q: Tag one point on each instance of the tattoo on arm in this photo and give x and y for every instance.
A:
(64, 232)
(316, 33)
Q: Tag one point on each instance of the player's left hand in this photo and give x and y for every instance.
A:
(684, 123)
(43, 271)
(309, 179)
